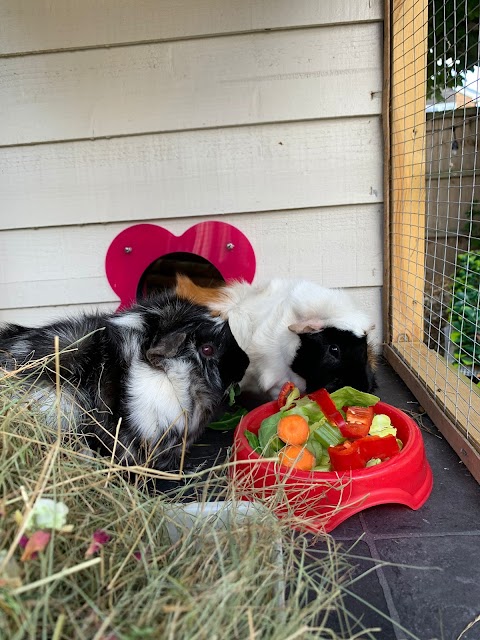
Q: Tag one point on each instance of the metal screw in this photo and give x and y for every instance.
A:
(128, 249)
(230, 246)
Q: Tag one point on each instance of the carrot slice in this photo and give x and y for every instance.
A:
(297, 457)
(293, 429)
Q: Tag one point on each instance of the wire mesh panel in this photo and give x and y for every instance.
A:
(433, 214)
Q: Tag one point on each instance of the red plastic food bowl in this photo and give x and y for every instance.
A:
(322, 500)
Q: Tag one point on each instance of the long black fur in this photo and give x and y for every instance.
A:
(162, 367)
(334, 358)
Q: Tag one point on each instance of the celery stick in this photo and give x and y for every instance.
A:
(328, 436)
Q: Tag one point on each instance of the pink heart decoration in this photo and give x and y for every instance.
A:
(134, 249)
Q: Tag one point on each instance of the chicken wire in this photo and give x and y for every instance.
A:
(434, 206)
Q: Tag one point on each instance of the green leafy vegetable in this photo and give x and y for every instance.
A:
(315, 447)
(350, 397)
(270, 443)
(382, 426)
(323, 463)
(252, 440)
(233, 391)
(372, 462)
(228, 421)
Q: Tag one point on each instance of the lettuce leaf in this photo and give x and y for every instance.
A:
(315, 448)
(252, 440)
(382, 426)
(269, 442)
(350, 397)
(228, 421)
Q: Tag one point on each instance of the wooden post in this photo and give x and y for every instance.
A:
(409, 29)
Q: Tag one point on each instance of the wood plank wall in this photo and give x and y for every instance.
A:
(174, 111)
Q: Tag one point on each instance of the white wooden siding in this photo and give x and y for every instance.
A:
(64, 265)
(266, 113)
(205, 172)
(192, 84)
(36, 316)
(42, 25)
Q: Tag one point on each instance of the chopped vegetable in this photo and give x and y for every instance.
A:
(378, 447)
(293, 429)
(233, 391)
(354, 430)
(327, 435)
(228, 421)
(285, 391)
(326, 404)
(381, 421)
(350, 397)
(323, 463)
(315, 447)
(359, 415)
(297, 456)
(268, 430)
(382, 426)
(252, 440)
(325, 432)
(346, 456)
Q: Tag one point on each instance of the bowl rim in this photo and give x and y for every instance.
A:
(409, 448)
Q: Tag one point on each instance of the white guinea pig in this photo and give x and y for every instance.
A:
(293, 330)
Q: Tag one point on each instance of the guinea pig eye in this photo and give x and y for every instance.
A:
(207, 350)
(334, 350)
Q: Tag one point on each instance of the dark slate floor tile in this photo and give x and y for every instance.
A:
(349, 529)
(455, 491)
(433, 604)
(392, 389)
(451, 507)
(366, 587)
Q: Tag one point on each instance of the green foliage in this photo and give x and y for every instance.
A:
(464, 314)
(453, 31)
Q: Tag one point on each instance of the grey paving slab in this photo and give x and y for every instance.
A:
(362, 595)
(439, 600)
(454, 504)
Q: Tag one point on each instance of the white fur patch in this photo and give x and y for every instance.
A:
(20, 348)
(128, 320)
(159, 400)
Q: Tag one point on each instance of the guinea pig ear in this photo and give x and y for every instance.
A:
(166, 347)
(306, 326)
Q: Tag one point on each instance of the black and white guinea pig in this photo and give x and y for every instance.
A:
(293, 330)
(162, 366)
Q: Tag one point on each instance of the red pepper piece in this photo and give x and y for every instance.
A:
(285, 391)
(360, 415)
(346, 456)
(354, 430)
(378, 447)
(327, 405)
